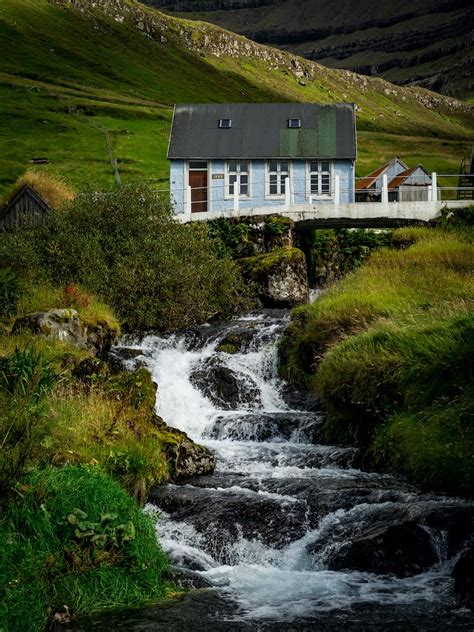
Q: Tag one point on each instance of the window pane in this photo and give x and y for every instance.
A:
(325, 166)
(194, 164)
(232, 181)
(244, 178)
(232, 166)
(314, 184)
(273, 166)
(282, 184)
(244, 190)
(325, 185)
(284, 167)
(243, 167)
(273, 184)
(313, 166)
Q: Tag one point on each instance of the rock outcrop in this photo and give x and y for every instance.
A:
(66, 325)
(185, 458)
(280, 277)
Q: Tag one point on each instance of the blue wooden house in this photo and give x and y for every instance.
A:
(263, 154)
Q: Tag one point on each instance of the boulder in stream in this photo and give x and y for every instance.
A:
(224, 387)
(280, 277)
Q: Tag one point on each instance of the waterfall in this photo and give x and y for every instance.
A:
(288, 529)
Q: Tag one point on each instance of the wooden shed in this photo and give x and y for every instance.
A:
(411, 185)
(25, 208)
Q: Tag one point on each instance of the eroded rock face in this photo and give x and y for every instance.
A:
(66, 325)
(280, 277)
(185, 458)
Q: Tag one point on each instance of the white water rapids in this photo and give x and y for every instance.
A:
(279, 573)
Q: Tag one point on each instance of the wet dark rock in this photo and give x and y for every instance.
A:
(126, 359)
(298, 399)
(401, 549)
(282, 426)
(185, 578)
(463, 574)
(225, 388)
(221, 516)
(237, 341)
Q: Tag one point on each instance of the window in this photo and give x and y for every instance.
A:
(294, 122)
(225, 123)
(278, 172)
(198, 165)
(238, 174)
(320, 178)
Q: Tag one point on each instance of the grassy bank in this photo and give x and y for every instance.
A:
(80, 448)
(390, 351)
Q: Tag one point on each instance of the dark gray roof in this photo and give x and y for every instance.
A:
(260, 130)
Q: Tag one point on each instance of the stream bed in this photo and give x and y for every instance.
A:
(288, 533)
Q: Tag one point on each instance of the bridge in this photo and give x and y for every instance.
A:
(353, 215)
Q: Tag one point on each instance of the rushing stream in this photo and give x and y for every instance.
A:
(287, 530)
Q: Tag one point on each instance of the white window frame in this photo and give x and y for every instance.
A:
(228, 173)
(276, 196)
(319, 195)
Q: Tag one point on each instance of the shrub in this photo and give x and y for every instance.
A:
(127, 247)
(75, 540)
(11, 287)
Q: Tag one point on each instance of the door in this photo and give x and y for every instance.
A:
(198, 184)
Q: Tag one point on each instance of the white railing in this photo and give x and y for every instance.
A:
(216, 198)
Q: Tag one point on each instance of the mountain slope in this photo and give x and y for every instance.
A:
(70, 71)
(428, 42)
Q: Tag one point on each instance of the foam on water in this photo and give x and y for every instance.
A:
(270, 583)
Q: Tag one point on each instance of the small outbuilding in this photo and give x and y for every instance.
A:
(369, 188)
(412, 185)
(256, 151)
(26, 207)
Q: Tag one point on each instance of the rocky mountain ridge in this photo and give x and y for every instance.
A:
(428, 42)
(210, 40)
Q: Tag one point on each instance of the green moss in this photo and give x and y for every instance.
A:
(228, 348)
(260, 265)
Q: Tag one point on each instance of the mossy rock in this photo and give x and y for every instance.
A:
(280, 277)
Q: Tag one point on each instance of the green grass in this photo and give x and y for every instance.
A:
(44, 566)
(389, 350)
(63, 73)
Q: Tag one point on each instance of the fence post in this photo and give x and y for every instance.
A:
(434, 186)
(430, 193)
(311, 200)
(236, 197)
(337, 190)
(287, 192)
(384, 189)
(188, 200)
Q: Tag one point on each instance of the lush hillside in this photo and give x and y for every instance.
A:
(72, 71)
(427, 42)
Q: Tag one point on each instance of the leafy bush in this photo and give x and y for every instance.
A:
(11, 287)
(76, 540)
(330, 254)
(127, 247)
